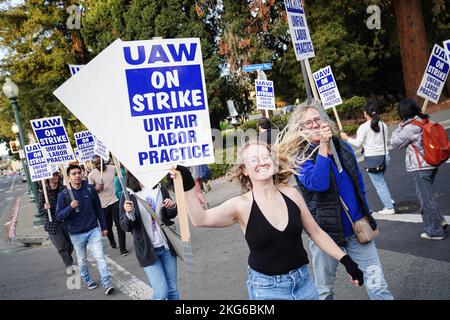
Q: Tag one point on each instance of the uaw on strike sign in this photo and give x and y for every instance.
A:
(146, 101)
(52, 137)
(39, 169)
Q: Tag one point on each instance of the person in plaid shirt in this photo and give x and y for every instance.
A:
(56, 231)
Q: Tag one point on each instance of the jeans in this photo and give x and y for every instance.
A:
(294, 285)
(62, 243)
(163, 275)
(365, 255)
(381, 186)
(94, 239)
(112, 213)
(431, 214)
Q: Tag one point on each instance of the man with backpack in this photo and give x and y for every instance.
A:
(83, 226)
(426, 148)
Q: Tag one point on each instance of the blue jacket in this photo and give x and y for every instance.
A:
(91, 212)
(321, 185)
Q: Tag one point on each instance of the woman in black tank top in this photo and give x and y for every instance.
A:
(272, 216)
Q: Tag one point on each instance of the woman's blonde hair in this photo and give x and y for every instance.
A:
(293, 142)
(281, 165)
(289, 152)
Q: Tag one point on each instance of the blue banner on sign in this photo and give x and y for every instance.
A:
(326, 83)
(35, 154)
(439, 68)
(264, 90)
(51, 136)
(294, 6)
(165, 90)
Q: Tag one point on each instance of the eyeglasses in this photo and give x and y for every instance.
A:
(253, 161)
(309, 124)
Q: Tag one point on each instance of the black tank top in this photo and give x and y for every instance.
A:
(274, 252)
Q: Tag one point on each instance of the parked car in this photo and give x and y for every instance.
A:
(287, 109)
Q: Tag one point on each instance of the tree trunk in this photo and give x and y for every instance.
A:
(413, 43)
(79, 48)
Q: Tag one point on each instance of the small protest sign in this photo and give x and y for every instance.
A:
(326, 85)
(265, 95)
(39, 169)
(298, 27)
(435, 75)
(52, 137)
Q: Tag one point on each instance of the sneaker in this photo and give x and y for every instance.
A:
(92, 286)
(113, 245)
(109, 291)
(124, 253)
(387, 211)
(425, 236)
(70, 270)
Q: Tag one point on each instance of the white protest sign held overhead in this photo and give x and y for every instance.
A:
(150, 104)
(52, 137)
(326, 85)
(39, 169)
(435, 75)
(265, 95)
(100, 149)
(85, 145)
(301, 39)
(74, 68)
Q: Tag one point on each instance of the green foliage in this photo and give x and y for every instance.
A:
(350, 128)
(250, 124)
(219, 170)
(352, 108)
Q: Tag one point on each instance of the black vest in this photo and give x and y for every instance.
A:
(325, 206)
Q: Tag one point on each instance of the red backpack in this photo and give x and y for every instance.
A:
(435, 142)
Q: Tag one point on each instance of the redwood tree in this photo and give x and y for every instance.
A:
(413, 43)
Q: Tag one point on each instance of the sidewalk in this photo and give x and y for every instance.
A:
(26, 233)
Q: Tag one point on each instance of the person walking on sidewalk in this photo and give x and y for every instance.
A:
(409, 136)
(56, 230)
(153, 252)
(83, 226)
(109, 201)
(373, 137)
(271, 215)
(323, 188)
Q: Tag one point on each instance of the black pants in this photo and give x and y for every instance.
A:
(62, 243)
(112, 213)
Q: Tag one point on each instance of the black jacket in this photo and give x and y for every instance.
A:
(325, 206)
(143, 246)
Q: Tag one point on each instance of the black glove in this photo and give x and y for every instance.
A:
(188, 181)
(352, 269)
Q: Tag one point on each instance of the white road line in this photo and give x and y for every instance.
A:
(125, 281)
(12, 185)
(404, 217)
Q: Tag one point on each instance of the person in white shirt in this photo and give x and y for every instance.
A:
(373, 136)
(154, 252)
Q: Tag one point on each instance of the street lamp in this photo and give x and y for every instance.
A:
(11, 90)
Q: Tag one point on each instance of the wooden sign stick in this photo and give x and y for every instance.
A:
(44, 189)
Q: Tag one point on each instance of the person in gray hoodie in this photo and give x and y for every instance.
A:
(409, 136)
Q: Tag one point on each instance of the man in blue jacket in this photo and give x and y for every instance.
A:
(323, 186)
(83, 226)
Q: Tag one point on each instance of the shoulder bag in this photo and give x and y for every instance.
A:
(361, 227)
